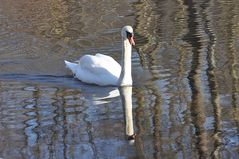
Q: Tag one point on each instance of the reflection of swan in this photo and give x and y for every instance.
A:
(104, 70)
(97, 100)
(126, 96)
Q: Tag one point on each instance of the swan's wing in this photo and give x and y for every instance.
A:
(105, 57)
(100, 65)
(100, 70)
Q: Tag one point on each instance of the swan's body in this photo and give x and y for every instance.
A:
(96, 69)
(104, 70)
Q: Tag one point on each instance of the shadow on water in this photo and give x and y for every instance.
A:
(60, 122)
(178, 41)
(197, 105)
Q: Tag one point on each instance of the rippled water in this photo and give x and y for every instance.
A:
(185, 101)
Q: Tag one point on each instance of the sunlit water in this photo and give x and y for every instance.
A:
(185, 101)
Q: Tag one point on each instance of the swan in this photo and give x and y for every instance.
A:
(103, 70)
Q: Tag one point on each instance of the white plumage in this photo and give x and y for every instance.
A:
(96, 69)
(103, 70)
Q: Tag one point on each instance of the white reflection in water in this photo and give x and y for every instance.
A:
(126, 97)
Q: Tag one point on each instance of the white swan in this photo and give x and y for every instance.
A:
(104, 70)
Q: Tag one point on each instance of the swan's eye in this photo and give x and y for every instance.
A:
(129, 35)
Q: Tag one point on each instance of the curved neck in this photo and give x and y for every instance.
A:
(125, 76)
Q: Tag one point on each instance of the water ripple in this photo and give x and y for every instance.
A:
(185, 71)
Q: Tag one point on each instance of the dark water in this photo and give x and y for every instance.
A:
(185, 101)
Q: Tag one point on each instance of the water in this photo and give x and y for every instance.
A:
(185, 101)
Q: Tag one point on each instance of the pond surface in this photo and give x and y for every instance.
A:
(184, 102)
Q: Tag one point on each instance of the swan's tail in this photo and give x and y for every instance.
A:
(71, 66)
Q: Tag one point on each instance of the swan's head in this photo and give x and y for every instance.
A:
(128, 33)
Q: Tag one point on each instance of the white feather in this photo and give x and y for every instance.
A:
(103, 70)
(99, 69)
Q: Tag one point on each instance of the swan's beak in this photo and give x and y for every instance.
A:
(131, 40)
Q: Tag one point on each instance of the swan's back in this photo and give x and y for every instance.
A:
(99, 69)
(100, 64)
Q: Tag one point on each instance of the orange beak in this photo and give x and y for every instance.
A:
(131, 40)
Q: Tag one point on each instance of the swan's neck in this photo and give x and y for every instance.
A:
(125, 76)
